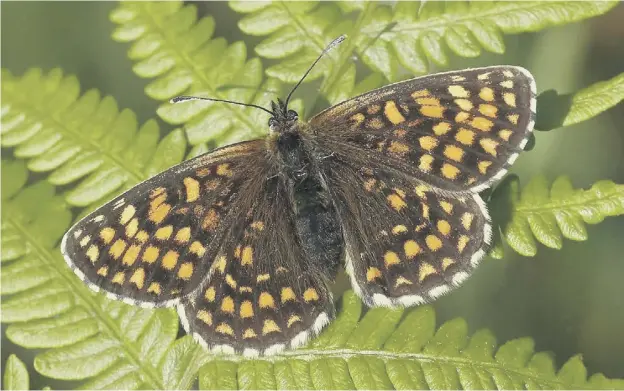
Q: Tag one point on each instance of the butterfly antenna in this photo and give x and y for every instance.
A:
(178, 99)
(331, 45)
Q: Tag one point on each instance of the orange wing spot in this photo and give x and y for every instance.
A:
(154, 288)
(372, 273)
(192, 189)
(482, 124)
(391, 258)
(93, 253)
(373, 109)
(158, 215)
(157, 192)
(453, 152)
(428, 143)
(462, 116)
(210, 294)
(464, 104)
(433, 242)
(245, 289)
(131, 255)
(400, 133)
(505, 134)
(432, 111)
(421, 191)
(376, 123)
(425, 270)
(513, 118)
(142, 236)
(425, 162)
(458, 91)
(506, 84)
(227, 305)
(369, 184)
(138, 278)
(402, 281)
(487, 94)
(411, 249)
(488, 110)
(205, 317)
(396, 202)
(398, 229)
(230, 281)
(425, 211)
(263, 277)
(420, 93)
(310, 295)
(246, 309)
(288, 294)
(270, 327)
(510, 99)
(170, 260)
(257, 225)
(203, 172)
(117, 248)
(107, 234)
(197, 248)
(483, 166)
(447, 206)
(392, 113)
(484, 76)
(211, 220)
(444, 227)
(462, 242)
(224, 170)
(84, 241)
(358, 119)
(220, 264)
(397, 148)
(489, 145)
(132, 228)
(247, 256)
(164, 233)
(186, 271)
(466, 220)
(183, 235)
(212, 184)
(119, 278)
(441, 128)
(224, 328)
(429, 101)
(293, 319)
(249, 333)
(465, 136)
(446, 262)
(127, 214)
(151, 254)
(266, 300)
(449, 171)
(103, 271)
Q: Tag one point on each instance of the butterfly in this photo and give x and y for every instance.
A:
(246, 240)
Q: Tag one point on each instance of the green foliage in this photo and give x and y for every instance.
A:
(548, 215)
(395, 349)
(87, 150)
(84, 139)
(15, 374)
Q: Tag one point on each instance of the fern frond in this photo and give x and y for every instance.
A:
(409, 34)
(81, 137)
(395, 349)
(549, 215)
(84, 336)
(15, 374)
(170, 45)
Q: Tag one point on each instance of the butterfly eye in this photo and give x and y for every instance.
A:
(292, 115)
(272, 123)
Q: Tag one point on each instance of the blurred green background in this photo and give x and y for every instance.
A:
(570, 301)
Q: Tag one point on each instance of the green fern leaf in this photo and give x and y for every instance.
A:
(549, 215)
(172, 46)
(591, 101)
(395, 349)
(15, 374)
(81, 138)
(84, 335)
(409, 34)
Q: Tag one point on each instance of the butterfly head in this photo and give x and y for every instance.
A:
(283, 119)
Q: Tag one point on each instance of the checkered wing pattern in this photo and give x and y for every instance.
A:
(457, 131)
(156, 242)
(262, 295)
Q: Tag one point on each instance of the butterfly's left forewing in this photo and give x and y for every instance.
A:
(156, 242)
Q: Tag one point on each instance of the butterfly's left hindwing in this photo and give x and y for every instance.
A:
(156, 242)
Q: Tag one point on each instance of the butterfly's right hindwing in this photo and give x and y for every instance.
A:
(156, 242)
